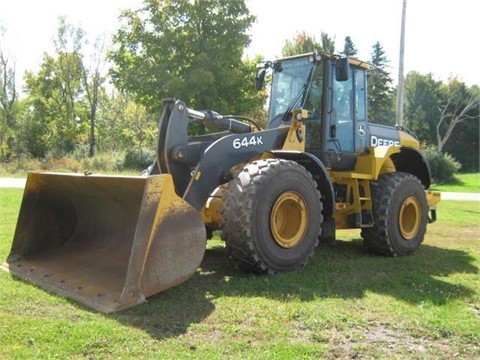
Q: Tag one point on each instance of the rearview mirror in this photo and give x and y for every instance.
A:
(260, 79)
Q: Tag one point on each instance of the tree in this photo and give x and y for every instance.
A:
(141, 131)
(380, 97)
(300, 44)
(188, 49)
(68, 67)
(52, 106)
(123, 124)
(463, 143)
(444, 116)
(458, 127)
(328, 43)
(349, 48)
(56, 96)
(8, 101)
(303, 43)
(251, 102)
(93, 79)
(461, 106)
(422, 105)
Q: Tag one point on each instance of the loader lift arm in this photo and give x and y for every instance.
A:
(176, 152)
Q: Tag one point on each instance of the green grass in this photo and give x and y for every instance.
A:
(466, 183)
(345, 303)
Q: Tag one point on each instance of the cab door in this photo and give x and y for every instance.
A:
(346, 132)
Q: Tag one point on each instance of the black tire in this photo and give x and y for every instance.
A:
(400, 215)
(272, 216)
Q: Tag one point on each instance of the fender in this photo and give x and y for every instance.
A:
(412, 161)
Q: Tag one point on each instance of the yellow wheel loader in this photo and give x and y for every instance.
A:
(110, 242)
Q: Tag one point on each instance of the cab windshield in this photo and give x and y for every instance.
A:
(291, 88)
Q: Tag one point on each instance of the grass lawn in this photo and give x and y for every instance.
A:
(466, 183)
(344, 304)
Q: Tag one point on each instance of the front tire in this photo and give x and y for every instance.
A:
(272, 216)
(400, 215)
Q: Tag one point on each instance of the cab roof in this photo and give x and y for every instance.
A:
(352, 61)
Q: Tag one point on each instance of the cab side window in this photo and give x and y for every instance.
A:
(343, 99)
(343, 108)
(360, 96)
(361, 141)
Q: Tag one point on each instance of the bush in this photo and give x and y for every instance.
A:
(60, 164)
(443, 167)
(20, 165)
(80, 152)
(78, 162)
(104, 162)
(138, 159)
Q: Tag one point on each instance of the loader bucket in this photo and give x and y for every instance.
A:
(108, 242)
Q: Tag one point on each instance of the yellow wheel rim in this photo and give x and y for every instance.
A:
(409, 218)
(289, 219)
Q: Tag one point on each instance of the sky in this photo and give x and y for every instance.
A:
(441, 36)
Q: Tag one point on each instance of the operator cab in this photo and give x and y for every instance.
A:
(333, 91)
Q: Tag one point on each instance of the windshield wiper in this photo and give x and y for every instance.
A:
(294, 102)
(301, 94)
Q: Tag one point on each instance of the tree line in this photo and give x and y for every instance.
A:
(90, 97)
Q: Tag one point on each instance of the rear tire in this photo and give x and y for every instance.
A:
(400, 215)
(272, 216)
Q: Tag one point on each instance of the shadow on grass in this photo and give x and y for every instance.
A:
(346, 271)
